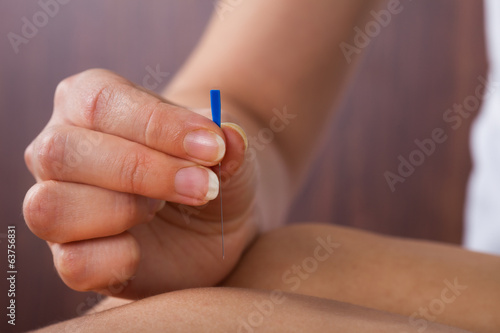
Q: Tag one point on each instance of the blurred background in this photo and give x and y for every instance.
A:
(425, 61)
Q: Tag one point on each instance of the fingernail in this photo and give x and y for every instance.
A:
(155, 205)
(204, 145)
(240, 131)
(197, 182)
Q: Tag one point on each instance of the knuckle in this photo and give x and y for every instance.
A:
(99, 101)
(133, 171)
(90, 72)
(39, 209)
(71, 266)
(50, 151)
(127, 205)
(101, 89)
(62, 91)
(28, 153)
(96, 72)
(93, 91)
(154, 130)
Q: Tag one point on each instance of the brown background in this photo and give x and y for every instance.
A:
(428, 59)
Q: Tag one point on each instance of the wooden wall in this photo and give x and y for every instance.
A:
(427, 60)
(424, 62)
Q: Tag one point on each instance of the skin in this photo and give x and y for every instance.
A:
(368, 283)
(98, 212)
(230, 309)
(390, 274)
(113, 153)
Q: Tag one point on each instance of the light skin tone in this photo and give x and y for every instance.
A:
(112, 148)
(119, 169)
(347, 281)
(233, 310)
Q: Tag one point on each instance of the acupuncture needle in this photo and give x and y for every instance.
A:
(216, 118)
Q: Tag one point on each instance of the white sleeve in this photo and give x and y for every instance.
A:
(482, 215)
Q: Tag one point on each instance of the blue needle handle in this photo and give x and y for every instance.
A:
(215, 101)
(216, 110)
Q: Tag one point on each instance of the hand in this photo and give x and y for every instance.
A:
(110, 156)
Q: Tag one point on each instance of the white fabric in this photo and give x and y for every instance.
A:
(482, 215)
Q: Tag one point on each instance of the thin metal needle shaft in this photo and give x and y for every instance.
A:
(221, 213)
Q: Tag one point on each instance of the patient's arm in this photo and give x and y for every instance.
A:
(239, 310)
(424, 280)
(334, 266)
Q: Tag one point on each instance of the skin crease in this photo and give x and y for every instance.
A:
(368, 283)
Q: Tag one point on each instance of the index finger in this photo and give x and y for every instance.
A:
(103, 101)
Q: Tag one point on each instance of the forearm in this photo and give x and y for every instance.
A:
(427, 282)
(268, 58)
(238, 310)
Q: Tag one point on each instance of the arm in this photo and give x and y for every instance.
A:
(426, 282)
(239, 310)
(271, 55)
(423, 282)
(344, 281)
(113, 153)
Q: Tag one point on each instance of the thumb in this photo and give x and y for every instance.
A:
(236, 147)
(237, 172)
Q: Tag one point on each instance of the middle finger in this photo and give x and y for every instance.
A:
(78, 155)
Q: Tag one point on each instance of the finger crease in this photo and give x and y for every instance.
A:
(149, 123)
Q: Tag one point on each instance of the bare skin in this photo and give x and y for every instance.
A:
(353, 282)
(434, 282)
(121, 171)
(235, 310)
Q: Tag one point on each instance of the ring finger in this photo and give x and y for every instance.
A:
(65, 212)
